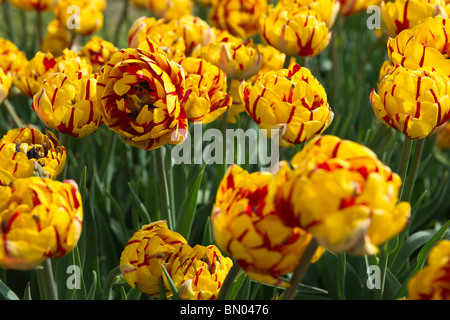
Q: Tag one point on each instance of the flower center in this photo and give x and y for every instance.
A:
(139, 96)
(32, 151)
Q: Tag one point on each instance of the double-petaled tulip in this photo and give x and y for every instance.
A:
(25, 152)
(239, 17)
(170, 10)
(237, 58)
(12, 59)
(5, 85)
(139, 94)
(294, 30)
(432, 282)
(206, 96)
(290, 101)
(57, 38)
(351, 7)
(414, 102)
(341, 193)
(198, 272)
(81, 16)
(161, 32)
(68, 103)
(29, 81)
(145, 253)
(32, 5)
(327, 9)
(40, 218)
(98, 52)
(248, 228)
(399, 15)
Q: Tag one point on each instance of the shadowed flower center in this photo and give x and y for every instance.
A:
(33, 151)
(139, 96)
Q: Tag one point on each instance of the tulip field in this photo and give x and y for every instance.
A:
(233, 150)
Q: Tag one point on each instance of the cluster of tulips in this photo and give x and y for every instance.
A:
(177, 69)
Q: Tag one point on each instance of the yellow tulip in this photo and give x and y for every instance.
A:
(239, 17)
(206, 96)
(443, 140)
(198, 272)
(294, 30)
(251, 233)
(146, 251)
(291, 101)
(413, 102)
(327, 9)
(68, 103)
(32, 5)
(13, 60)
(340, 192)
(98, 51)
(170, 10)
(351, 7)
(139, 93)
(41, 218)
(90, 16)
(57, 38)
(5, 85)
(432, 282)
(25, 151)
(399, 15)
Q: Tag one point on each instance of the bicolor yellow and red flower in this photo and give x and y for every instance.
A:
(327, 9)
(170, 10)
(413, 102)
(68, 103)
(237, 58)
(206, 97)
(87, 19)
(246, 226)
(351, 7)
(443, 140)
(32, 5)
(399, 15)
(294, 30)
(146, 251)
(30, 80)
(98, 52)
(5, 85)
(198, 272)
(340, 192)
(289, 101)
(239, 17)
(26, 152)
(425, 45)
(139, 94)
(12, 60)
(432, 282)
(40, 219)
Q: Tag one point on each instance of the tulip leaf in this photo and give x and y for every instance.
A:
(27, 293)
(6, 292)
(188, 208)
(145, 217)
(92, 290)
(236, 286)
(172, 286)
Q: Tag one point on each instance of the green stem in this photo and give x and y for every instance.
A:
(224, 137)
(19, 123)
(341, 275)
(412, 175)
(404, 161)
(226, 285)
(383, 267)
(48, 280)
(335, 60)
(122, 20)
(66, 141)
(300, 270)
(166, 212)
(6, 17)
(40, 32)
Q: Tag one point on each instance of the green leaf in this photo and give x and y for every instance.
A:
(92, 290)
(236, 286)
(111, 279)
(188, 208)
(145, 217)
(172, 286)
(6, 292)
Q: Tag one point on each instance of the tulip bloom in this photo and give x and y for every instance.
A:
(206, 96)
(140, 93)
(30, 80)
(431, 283)
(401, 15)
(68, 103)
(238, 59)
(413, 102)
(90, 15)
(25, 151)
(247, 227)
(32, 5)
(350, 7)
(239, 17)
(170, 10)
(443, 140)
(198, 272)
(145, 252)
(57, 38)
(292, 101)
(41, 218)
(327, 9)
(341, 193)
(98, 52)
(295, 31)
(12, 59)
